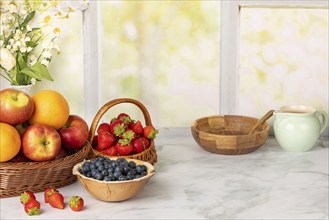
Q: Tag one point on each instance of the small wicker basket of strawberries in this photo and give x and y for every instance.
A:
(123, 136)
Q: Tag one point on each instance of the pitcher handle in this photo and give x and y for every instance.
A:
(323, 119)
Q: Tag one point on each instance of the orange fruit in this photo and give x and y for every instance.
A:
(50, 108)
(10, 142)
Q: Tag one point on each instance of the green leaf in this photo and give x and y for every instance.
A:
(21, 61)
(43, 70)
(28, 18)
(30, 71)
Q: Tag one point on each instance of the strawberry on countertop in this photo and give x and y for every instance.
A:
(56, 200)
(48, 191)
(27, 196)
(76, 203)
(32, 207)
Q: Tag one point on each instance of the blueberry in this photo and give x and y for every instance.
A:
(94, 172)
(99, 176)
(132, 173)
(110, 175)
(113, 164)
(98, 163)
(107, 178)
(117, 174)
(118, 169)
(101, 168)
(122, 178)
(126, 169)
(139, 169)
(104, 172)
(85, 169)
(92, 166)
(110, 170)
(132, 164)
(121, 160)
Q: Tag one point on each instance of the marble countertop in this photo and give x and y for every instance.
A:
(190, 183)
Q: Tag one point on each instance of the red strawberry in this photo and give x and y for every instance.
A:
(150, 132)
(104, 127)
(117, 128)
(48, 191)
(94, 143)
(111, 151)
(137, 127)
(124, 117)
(76, 203)
(56, 200)
(32, 207)
(105, 140)
(140, 144)
(128, 135)
(26, 196)
(124, 147)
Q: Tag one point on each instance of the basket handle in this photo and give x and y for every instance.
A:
(112, 103)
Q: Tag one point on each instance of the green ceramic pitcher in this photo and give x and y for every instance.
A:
(297, 127)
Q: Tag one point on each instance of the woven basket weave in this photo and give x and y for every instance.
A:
(149, 154)
(36, 176)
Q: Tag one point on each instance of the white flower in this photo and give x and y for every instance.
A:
(46, 54)
(45, 62)
(28, 28)
(32, 60)
(22, 49)
(12, 8)
(33, 81)
(7, 60)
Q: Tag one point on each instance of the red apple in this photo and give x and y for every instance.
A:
(16, 106)
(74, 133)
(41, 142)
(62, 153)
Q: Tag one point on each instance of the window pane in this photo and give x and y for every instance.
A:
(284, 59)
(164, 54)
(67, 67)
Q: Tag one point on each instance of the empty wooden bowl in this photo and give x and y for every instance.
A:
(114, 191)
(229, 134)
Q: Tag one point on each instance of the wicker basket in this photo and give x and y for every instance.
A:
(36, 176)
(229, 134)
(148, 155)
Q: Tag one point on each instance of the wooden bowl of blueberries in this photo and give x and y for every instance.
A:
(113, 179)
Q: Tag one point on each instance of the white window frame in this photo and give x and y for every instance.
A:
(229, 46)
(229, 50)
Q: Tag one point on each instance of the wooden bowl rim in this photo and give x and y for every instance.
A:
(195, 122)
(150, 172)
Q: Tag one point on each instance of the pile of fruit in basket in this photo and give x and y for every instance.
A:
(123, 136)
(39, 127)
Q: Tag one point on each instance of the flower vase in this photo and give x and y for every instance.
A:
(23, 88)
